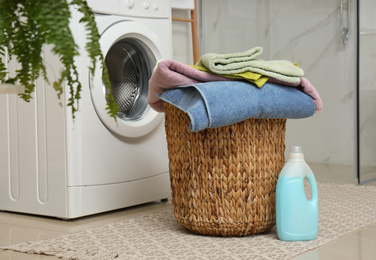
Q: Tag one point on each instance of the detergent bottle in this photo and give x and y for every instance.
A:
(297, 217)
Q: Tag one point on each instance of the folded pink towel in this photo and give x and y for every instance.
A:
(171, 73)
(307, 88)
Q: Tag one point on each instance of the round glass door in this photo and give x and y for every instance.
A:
(129, 63)
(131, 54)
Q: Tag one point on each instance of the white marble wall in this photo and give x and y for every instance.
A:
(233, 26)
(306, 32)
(228, 26)
(182, 37)
(367, 17)
(367, 94)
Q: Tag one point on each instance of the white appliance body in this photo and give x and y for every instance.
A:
(53, 165)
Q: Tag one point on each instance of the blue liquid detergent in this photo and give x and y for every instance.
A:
(297, 217)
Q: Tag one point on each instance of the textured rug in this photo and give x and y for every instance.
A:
(342, 209)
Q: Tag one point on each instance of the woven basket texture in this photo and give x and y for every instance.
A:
(223, 180)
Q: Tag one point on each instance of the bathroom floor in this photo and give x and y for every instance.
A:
(18, 228)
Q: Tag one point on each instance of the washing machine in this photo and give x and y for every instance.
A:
(54, 165)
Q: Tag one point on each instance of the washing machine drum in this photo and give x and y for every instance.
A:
(130, 63)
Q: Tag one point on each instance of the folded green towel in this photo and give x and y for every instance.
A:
(240, 62)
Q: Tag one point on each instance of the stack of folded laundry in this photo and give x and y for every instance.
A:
(223, 89)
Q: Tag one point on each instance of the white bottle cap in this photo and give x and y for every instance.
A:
(296, 153)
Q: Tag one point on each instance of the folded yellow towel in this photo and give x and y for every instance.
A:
(255, 78)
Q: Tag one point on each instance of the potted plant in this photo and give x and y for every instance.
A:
(26, 25)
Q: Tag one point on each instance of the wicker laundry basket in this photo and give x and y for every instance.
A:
(223, 180)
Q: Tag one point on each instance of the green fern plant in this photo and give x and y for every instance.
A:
(26, 25)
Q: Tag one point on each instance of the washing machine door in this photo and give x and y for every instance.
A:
(131, 54)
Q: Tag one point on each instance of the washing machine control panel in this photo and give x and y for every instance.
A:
(133, 8)
(129, 3)
(146, 4)
(145, 8)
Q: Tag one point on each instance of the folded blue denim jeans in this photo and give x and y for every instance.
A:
(220, 103)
